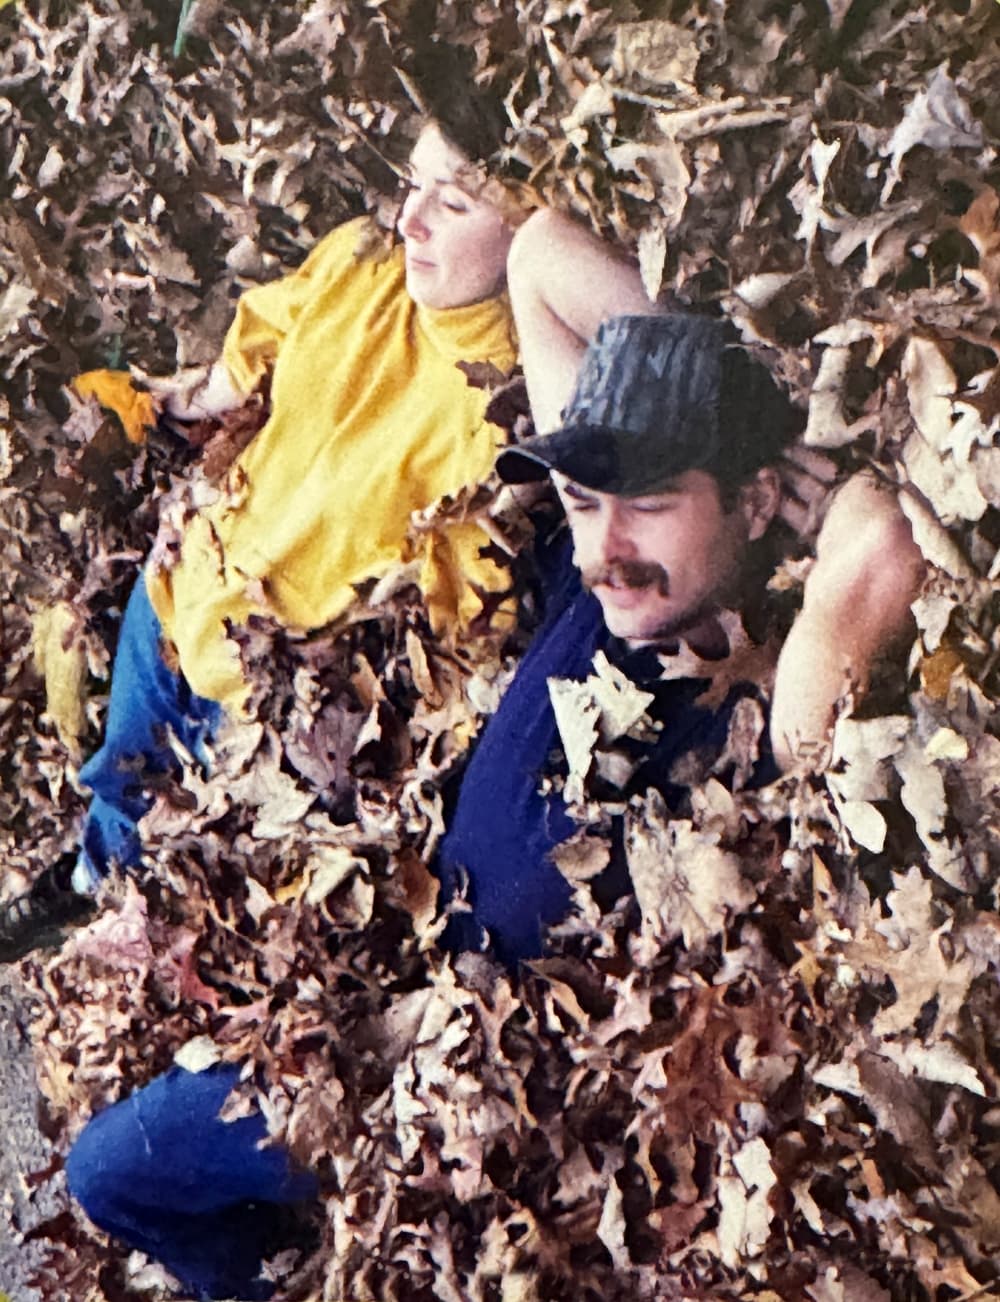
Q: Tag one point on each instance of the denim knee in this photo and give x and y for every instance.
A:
(92, 1181)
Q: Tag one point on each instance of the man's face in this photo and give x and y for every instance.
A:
(662, 565)
(456, 242)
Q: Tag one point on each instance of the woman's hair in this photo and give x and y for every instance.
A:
(471, 117)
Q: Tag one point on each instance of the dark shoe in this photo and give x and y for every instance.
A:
(39, 918)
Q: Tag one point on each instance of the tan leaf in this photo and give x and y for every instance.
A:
(862, 749)
(61, 658)
(662, 164)
(909, 902)
(328, 867)
(981, 223)
(934, 541)
(923, 795)
(938, 1062)
(198, 1054)
(685, 883)
(938, 118)
(577, 717)
(826, 426)
(948, 484)
(582, 857)
(745, 1183)
(622, 703)
(658, 52)
(865, 824)
(611, 1227)
(922, 970)
(15, 304)
(652, 259)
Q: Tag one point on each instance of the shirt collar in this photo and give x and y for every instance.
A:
(477, 332)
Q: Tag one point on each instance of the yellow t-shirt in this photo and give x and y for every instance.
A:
(371, 420)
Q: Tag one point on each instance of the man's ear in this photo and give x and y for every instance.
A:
(760, 498)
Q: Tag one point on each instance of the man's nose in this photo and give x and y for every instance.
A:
(412, 225)
(614, 540)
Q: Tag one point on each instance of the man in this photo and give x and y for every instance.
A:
(371, 420)
(663, 463)
(563, 283)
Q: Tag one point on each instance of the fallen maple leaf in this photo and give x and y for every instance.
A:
(116, 390)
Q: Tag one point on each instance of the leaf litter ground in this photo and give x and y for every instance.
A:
(775, 1074)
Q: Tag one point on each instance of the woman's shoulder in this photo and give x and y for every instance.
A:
(359, 242)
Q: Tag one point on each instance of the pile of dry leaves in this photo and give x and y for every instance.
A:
(781, 1081)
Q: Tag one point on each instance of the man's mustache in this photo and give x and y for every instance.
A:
(629, 574)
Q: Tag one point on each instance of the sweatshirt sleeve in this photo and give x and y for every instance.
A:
(266, 313)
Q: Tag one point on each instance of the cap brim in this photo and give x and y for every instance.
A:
(594, 457)
(587, 454)
(519, 465)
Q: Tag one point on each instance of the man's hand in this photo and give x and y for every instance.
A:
(807, 482)
(856, 605)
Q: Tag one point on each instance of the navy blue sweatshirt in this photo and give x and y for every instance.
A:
(503, 830)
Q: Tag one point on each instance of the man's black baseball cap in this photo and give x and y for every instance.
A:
(657, 396)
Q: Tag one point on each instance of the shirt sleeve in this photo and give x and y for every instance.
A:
(266, 313)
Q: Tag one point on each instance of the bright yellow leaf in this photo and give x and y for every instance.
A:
(116, 391)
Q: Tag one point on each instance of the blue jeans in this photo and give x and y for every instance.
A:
(146, 698)
(162, 1173)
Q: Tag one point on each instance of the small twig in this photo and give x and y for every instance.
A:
(693, 122)
(181, 36)
(114, 351)
(659, 102)
(735, 122)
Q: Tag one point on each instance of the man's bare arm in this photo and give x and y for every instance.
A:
(564, 282)
(856, 605)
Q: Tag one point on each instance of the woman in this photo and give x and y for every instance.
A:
(369, 411)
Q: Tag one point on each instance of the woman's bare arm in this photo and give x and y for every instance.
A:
(564, 282)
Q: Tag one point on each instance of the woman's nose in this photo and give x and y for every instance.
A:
(412, 225)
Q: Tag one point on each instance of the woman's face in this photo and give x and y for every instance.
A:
(456, 242)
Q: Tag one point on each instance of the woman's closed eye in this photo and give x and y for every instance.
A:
(454, 201)
(449, 196)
